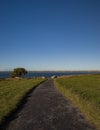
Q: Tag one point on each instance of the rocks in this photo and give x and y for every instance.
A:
(54, 76)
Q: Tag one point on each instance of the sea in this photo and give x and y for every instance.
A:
(31, 74)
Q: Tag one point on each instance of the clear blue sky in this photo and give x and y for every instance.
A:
(50, 34)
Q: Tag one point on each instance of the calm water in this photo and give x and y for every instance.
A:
(47, 73)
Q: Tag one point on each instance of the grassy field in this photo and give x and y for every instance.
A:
(84, 92)
(12, 92)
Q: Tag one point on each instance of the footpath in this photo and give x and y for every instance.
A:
(47, 109)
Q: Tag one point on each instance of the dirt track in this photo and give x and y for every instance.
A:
(47, 109)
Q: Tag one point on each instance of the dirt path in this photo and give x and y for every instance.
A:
(47, 109)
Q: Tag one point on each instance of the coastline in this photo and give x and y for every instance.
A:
(31, 74)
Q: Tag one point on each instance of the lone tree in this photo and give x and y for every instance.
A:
(18, 72)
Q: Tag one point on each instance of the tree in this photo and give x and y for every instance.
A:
(18, 72)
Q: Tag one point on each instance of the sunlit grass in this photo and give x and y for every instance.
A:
(12, 92)
(84, 92)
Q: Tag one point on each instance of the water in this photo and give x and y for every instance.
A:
(4, 74)
(30, 74)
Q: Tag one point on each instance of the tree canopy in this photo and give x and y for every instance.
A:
(18, 72)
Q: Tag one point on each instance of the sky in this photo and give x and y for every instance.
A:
(50, 34)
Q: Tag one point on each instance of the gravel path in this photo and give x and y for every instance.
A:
(47, 109)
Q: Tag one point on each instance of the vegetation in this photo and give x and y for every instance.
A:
(18, 72)
(84, 92)
(12, 92)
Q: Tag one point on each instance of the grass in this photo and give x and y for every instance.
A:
(84, 92)
(12, 92)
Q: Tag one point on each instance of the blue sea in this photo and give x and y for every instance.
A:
(30, 74)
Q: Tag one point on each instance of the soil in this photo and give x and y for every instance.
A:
(47, 109)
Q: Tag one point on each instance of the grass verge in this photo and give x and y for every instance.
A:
(84, 92)
(12, 93)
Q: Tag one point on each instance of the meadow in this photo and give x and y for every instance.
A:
(12, 93)
(84, 92)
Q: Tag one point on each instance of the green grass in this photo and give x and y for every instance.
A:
(84, 92)
(12, 92)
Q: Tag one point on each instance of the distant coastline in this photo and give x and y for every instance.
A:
(55, 70)
(45, 73)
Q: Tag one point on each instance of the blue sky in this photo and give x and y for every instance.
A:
(50, 34)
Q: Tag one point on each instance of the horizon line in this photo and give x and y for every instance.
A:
(55, 70)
